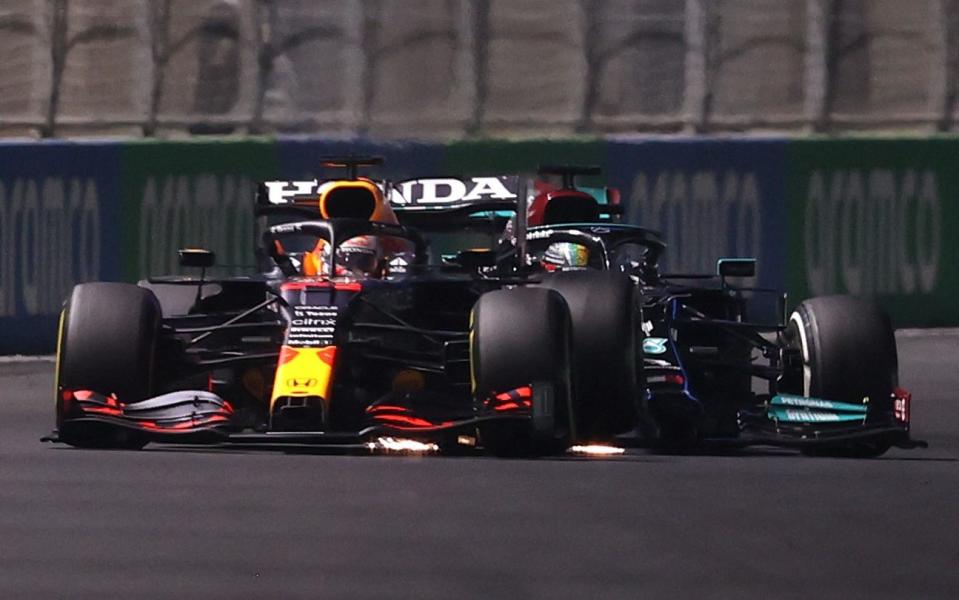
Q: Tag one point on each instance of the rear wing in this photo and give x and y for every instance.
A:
(445, 195)
(432, 195)
(431, 203)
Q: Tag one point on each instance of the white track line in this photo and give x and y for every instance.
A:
(20, 358)
(928, 333)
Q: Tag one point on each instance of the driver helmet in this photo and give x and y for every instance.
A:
(361, 256)
(563, 256)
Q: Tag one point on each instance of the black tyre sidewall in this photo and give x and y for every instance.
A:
(108, 340)
(519, 337)
(851, 354)
(605, 316)
(851, 348)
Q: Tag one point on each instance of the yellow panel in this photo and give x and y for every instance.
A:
(308, 373)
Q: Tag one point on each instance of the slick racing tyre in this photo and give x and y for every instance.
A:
(521, 337)
(848, 353)
(107, 344)
(606, 317)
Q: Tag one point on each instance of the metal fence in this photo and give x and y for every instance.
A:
(454, 68)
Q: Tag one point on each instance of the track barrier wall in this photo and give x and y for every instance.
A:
(59, 206)
(710, 198)
(864, 216)
(872, 218)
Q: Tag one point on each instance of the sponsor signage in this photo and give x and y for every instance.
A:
(873, 218)
(312, 326)
(710, 198)
(198, 195)
(58, 226)
(870, 217)
(654, 345)
(434, 192)
(446, 191)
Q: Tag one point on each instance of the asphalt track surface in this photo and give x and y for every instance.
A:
(165, 523)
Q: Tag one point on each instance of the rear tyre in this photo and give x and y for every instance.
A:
(607, 361)
(107, 344)
(848, 353)
(520, 337)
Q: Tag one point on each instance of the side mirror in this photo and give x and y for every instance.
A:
(736, 267)
(196, 257)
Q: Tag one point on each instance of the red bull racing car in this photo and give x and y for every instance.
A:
(350, 334)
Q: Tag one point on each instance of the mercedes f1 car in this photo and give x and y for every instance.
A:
(828, 371)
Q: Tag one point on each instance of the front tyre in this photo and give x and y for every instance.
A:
(848, 353)
(107, 344)
(606, 317)
(521, 337)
